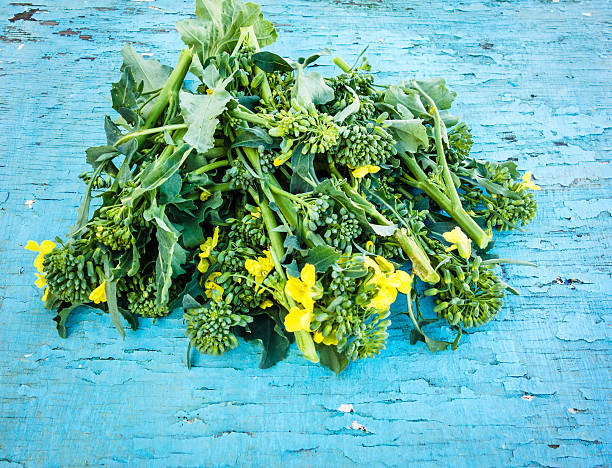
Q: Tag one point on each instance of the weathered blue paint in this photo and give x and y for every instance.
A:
(531, 389)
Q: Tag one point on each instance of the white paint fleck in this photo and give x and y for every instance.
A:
(527, 397)
(573, 410)
(20, 46)
(586, 13)
(27, 355)
(358, 427)
(29, 203)
(346, 408)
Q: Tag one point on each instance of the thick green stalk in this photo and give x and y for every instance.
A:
(448, 179)
(302, 337)
(170, 89)
(243, 113)
(458, 213)
(211, 166)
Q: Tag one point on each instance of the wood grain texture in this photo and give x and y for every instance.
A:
(532, 388)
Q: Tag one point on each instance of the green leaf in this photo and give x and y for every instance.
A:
(218, 23)
(328, 187)
(407, 102)
(113, 135)
(253, 137)
(303, 170)
(270, 62)
(322, 257)
(437, 90)
(332, 359)
(170, 259)
(123, 92)
(310, 88)
(350, 109)
(169, 191)
(111, 297)
(201, 114)
(151, 73)
(154, 175)
(312, 58)
(96, 155)
(131, 318)
(410, 135)
(268, 332)
(384, 231)
(62, 316)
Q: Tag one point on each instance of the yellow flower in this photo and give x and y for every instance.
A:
(460, 241)
(45, 247)
(256, 213)
(303, 289)
(370, 246)
(265, 304)
(385, 296)
(210, 287)
(329, 340)
(387, 281)
(99, 294)
(298, 319)
(41, 282)
(206, 248)
(405, 281)
(260, 268)
(527, 183)
(363, 171)
(209, 91)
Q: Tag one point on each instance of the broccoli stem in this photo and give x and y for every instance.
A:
(302, 337)
(458, 213)
(342, 64)
(169, 91)
(245, 114)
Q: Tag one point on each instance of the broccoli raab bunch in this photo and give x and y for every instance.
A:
(271, 203)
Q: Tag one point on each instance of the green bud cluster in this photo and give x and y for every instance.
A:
(460, 143)
(112, 227)
(266, 160)
(99, 183)
(318, 132)
(360, 82)
(72, 272)
(470, 293)
(239, 175)
(141, 296)
(239, 64)
(360, 332)
(341, 229)
(249, 230)
(500, 211)
(210, 327)
(364, 144)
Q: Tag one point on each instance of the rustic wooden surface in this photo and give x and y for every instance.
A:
(532, 388)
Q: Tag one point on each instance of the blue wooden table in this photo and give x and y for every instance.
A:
(532, 388)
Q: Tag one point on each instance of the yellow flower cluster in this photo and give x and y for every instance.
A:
(305, 291)
(212, 289)
(206, 248)
(43, 249)
(260, 268)
(527, 182)
(388, 282)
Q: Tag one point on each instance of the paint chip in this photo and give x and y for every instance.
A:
(586, 13)
(527, 397)
(29, 203)
(358, 427)
(574, 410)
(346, 408)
